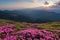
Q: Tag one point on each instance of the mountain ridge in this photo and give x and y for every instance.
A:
(30, 15)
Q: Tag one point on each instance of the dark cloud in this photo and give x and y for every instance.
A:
(46, 3)
(57, 4)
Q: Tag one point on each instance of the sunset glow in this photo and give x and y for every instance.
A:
(48, 5)
(22, 4)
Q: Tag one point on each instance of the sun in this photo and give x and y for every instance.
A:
(47, 6)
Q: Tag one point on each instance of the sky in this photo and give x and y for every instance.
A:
(23, 4)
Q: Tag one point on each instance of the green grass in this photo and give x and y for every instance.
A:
(23, 25)
(51, 25)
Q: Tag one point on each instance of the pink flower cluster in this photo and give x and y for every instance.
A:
(8, 32)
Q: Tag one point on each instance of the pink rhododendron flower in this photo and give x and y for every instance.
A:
(8, 32)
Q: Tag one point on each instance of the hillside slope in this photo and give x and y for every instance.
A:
(23, 25)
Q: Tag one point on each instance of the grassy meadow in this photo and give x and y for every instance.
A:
(23, 25)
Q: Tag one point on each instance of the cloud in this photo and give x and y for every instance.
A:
(58, 3)
(46, 3)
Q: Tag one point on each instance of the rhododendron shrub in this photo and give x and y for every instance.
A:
(8, 32)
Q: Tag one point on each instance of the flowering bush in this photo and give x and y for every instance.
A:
(8, 32)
